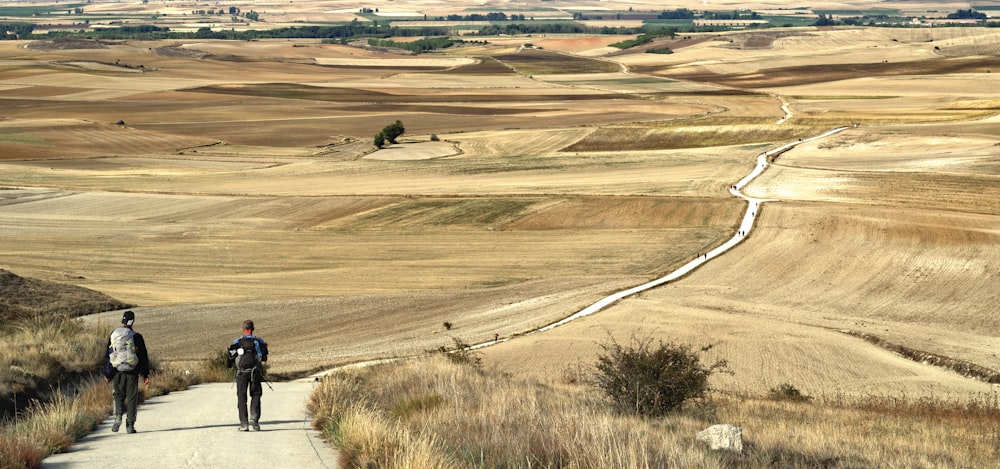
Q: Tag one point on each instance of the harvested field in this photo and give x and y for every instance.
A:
(243, 183)
(536, 62)
(809, 74)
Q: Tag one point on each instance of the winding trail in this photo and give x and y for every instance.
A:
(196, 428)
(746, 225)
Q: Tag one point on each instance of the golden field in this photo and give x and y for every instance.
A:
(241, 182)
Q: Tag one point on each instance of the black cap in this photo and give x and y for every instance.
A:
(128, 318)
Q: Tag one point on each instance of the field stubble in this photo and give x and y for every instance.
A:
(370, 258)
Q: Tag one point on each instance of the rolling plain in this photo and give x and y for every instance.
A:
(211, 181)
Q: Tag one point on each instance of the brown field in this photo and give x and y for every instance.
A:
(242, 182)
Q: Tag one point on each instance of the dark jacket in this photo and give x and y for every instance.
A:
(142, 369)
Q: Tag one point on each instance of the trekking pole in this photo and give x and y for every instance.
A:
(266, 381)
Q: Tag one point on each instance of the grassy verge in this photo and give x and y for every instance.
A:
(53, 391)
(435, 413)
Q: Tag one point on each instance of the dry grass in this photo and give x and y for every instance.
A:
(891, 431)
(458, 416)
(435, 413)
(51, 388)
(38, 354)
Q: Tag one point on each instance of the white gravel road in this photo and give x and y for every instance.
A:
(196, 428)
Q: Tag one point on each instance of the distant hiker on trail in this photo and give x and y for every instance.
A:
(247, 354)
(127, 360)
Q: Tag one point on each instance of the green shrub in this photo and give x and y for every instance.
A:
(652, 381)
(787, 392)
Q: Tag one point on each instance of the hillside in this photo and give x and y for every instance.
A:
(27, 298)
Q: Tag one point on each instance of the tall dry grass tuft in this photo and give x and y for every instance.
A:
(460, 416)
(56, 364)
(874, 431)
(19, 453)
(435, 413)
(39, 350)
(53, 426)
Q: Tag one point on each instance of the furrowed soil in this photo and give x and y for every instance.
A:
(226, 181)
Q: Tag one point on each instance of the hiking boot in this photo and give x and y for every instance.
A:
(118, 424)
(243, 428)
(255, 425)
(129, 428)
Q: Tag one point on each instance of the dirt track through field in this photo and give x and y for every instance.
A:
(754, 205)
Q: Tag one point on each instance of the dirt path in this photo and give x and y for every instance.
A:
(749, 216)
(197, 429)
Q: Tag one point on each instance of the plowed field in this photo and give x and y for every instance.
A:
(228, 181)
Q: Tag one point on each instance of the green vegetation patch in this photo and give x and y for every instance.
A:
(790, 21)
(869, 12)
(643, 39)
(354, 95)
(448, 212)
(296, 91)
(635, 138)
(484, 66)
(420, 45)
(24, 138)
(28, 11)
(536, 62)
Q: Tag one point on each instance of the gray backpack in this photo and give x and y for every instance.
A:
(122, 350)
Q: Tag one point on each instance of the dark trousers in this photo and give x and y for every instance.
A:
(249, 382)
(125, 389)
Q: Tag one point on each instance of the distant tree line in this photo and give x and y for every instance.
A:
(734, 15)
(352, 30)
(420, 45)
(549, 27)
(493, 16)
(825, 20)
(678, 14)
(149, 32)
(967, 15)
(16, 30)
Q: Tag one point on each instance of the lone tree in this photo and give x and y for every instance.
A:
(389, 134)
(652, 381)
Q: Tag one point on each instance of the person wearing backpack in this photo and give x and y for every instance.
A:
(127, 360)
(247, 355)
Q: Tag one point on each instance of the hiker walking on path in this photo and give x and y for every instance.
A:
(247, 354)
(127, 360)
